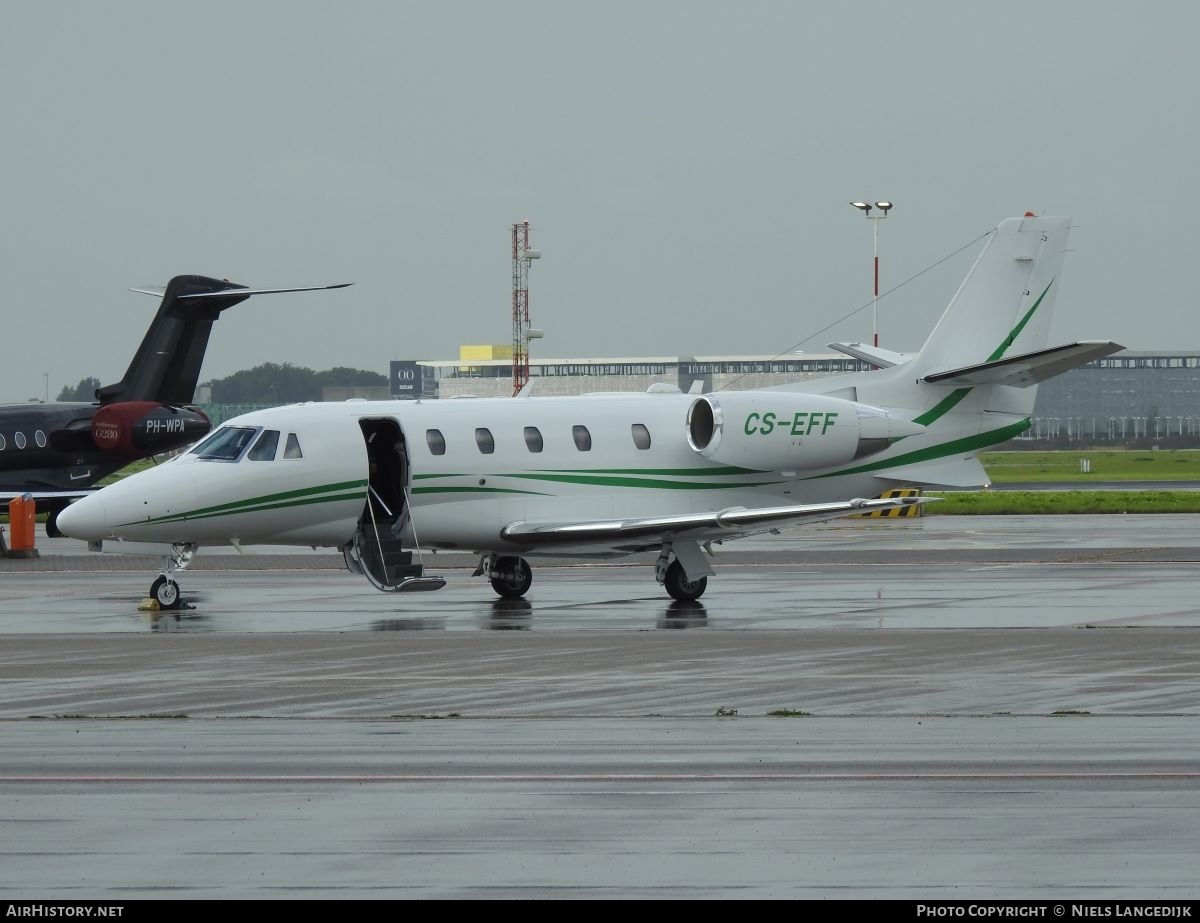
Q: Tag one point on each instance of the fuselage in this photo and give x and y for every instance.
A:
(28, 460)
(471, 467)
(659, 472)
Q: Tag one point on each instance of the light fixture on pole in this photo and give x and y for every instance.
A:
(865, 208)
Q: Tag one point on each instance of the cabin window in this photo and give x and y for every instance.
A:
(533, 438)
(641, 436)
(3, 444)
(436, 441)
(291, 448)
(19, 439)
(583, 439)
(483, 439)
(264, 449)
(226, 444)
(40, 438)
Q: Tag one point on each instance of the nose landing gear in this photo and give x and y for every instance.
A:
(682, 570)
(164, 590)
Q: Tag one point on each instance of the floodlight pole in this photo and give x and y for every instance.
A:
(865, 208)
(875, 295)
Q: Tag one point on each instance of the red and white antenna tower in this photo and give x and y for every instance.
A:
(522, 254)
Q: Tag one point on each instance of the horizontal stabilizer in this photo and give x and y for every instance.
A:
(159, 290)
(876, 355)
(1029, 368)
(264, 291)
(944, 472)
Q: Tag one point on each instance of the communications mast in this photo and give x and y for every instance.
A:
(522, 254)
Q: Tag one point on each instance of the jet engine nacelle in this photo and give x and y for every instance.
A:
(139, 428)
(785, 431)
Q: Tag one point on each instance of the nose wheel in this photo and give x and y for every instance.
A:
(165, 592)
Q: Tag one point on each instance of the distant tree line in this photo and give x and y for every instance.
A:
(84, 391)
(269, 383)
(273, 383)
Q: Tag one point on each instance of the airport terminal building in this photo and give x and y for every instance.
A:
(1133, 395)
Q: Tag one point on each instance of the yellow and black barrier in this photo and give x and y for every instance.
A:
(913, 509)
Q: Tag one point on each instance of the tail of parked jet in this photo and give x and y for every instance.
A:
(166, 366)
(1003, 306)
(973, 384)
(988, 351)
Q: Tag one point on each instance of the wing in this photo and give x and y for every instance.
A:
(736, 522)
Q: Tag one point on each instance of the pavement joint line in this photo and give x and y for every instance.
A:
(484, 778)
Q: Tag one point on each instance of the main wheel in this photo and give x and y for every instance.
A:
(52, 530)
(165, 592)
(680, 587)
(511, 577)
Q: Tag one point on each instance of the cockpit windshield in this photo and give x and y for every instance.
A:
(226, 444)
(264, 449)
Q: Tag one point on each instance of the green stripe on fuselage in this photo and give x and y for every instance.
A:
(943, 406)
(343, 490)
(942, 450)
(288, 504)
(283, 495)
(946, 404)
(450, 489)
(715, 471)
(613, 481)
(1016, 331)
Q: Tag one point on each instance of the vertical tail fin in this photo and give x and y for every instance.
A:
(1004, 306)
(166, 366)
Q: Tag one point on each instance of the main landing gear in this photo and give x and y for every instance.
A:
(164, 590)
(683, 570)
(510, 577)
(680, 587)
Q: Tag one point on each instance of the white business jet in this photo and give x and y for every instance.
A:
(605, 475)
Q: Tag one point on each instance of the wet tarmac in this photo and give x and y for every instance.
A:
(950, 808)
(936, 572)
(802, 594)
(938, 708)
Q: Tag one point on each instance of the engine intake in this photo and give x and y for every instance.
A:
(777, 430)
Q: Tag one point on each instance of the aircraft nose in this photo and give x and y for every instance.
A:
(86, 519)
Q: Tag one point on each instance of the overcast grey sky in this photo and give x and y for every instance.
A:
(686, 167)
